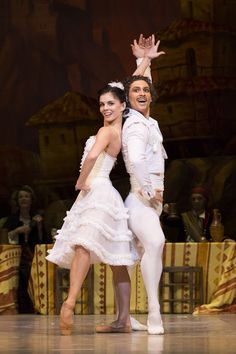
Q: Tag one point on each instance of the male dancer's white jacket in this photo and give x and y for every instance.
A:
(144, 157)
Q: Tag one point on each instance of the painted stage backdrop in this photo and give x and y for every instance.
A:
(56, 54)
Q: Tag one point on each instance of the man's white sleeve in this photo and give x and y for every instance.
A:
(147, 72)
(137, 136)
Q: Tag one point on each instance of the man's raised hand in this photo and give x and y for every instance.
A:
(138, 48)
(151, 48)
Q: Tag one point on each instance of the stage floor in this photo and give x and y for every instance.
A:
(183, 334)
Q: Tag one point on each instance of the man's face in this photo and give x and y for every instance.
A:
(198, 202)
(140, 97)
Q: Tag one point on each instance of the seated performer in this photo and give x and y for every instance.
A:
(25, 227)
(192, 225)
(197, 220)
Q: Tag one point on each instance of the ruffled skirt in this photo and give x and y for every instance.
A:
(98, 222)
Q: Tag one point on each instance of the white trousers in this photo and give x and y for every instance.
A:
(144, 222)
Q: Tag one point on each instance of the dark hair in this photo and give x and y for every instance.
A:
(116, 91)
(128, 82)
(27, 189)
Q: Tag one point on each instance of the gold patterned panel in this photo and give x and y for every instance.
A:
(103, 291)
(138, 293)
(209, 256)
(42, 285)
(222, 266)
(178, 254)
(9, 277)
(216, 259)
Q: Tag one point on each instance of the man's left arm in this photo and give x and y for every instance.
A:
(145, 48)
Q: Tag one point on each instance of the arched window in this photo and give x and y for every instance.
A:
(191, 62)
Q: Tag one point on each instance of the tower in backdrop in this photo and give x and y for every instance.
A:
(196, 80)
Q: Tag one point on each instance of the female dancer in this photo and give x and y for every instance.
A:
(95, 229)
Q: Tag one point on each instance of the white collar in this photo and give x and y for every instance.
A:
(149, 121)
(140, 115)
(202, 215)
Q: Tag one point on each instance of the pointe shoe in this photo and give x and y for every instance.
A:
(154, 323)
(136, 325)
(113, 329)
(65, 325)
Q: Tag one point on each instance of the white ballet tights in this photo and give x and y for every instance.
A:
(145, 224)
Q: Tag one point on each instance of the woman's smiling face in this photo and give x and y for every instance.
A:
(110, 107)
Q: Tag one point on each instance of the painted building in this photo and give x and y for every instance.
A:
(63, 126)
(196, 81)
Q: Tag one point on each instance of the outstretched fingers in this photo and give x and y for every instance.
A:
(141, 41)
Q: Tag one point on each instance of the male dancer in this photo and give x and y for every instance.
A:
(147, 49)
(144, 157)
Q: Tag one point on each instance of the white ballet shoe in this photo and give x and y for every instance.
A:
(136, 325)
(154, 323)
(155, 329)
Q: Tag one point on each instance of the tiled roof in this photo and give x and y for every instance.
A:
(184, 27)
(69, 108)
(194, 85)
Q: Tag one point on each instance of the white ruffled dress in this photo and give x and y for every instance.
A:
(97, 221)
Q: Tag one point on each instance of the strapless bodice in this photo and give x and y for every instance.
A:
(103, 164)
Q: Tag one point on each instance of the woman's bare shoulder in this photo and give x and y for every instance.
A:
(108, 131)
